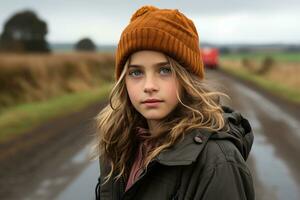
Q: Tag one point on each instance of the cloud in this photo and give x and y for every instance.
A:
(217, 20)
(241, 27)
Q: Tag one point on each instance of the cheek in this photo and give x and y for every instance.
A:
(172, 89)
(132, 91)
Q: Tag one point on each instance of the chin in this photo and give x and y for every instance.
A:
(154, 116)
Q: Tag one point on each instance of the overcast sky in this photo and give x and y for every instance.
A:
(217, 21)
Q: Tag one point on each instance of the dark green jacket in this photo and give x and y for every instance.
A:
(205, 165)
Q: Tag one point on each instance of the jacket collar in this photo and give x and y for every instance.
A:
(186, 151)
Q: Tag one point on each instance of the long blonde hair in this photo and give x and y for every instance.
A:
(115, 141)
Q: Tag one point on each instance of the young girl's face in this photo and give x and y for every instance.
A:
(151, 85)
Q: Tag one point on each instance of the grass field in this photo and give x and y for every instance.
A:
(38, 77)
(37, 87)
(282, 79)
(278, 56)
(15, 121)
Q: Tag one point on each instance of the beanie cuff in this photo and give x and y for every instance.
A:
(158, 40)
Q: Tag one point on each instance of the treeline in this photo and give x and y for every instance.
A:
(25, 32)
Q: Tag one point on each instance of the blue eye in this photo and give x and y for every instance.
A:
(135, 73)
(165, 70)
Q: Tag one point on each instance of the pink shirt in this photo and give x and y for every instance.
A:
(144, 147)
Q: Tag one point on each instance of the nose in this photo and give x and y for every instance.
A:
(150, 85)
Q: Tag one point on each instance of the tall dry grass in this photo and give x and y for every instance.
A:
(37, 77)
(283, 72)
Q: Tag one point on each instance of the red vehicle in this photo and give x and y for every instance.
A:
(210, 57)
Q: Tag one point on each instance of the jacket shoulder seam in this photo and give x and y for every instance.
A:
(226, 155)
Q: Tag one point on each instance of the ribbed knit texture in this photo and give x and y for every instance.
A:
(165, 30)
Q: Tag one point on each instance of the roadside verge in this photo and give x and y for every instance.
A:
(23, 118)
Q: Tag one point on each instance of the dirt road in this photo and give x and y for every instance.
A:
(274, 158)
(48, 158)
(58, 168)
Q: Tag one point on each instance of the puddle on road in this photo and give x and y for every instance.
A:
(77, 176)
(82, 156)
(271, 171)
(83, 187)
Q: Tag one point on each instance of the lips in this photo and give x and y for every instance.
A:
(152, 101)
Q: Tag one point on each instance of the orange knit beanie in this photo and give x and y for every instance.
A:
(165, 30)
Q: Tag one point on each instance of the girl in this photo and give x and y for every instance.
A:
(164, 134)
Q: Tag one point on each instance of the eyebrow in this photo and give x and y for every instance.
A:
(157, 64)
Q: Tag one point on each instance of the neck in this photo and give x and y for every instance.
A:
(152, 124)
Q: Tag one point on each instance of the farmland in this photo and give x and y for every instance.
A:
(281, 78)
(37, 87)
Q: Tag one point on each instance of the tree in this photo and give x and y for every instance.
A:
(24, 31)
(224, 50)
(85, 44)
